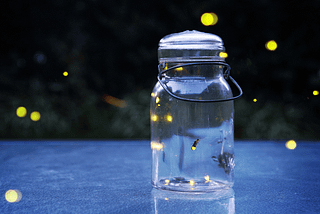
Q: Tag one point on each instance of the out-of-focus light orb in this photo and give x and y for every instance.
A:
(179, 69)
(40, 57)
(157, 99)
(21, 111)
(115, 101)
(156, 145)
(169, 118)
(153, 94)
(192, 182)
(291, 144)
(271, 45)
(13, 196)
(154, 117)
(255, 100)
(35, 116)
(209, 19)
(315, 93)
(65, 73)
(207, 177)
(223, 54)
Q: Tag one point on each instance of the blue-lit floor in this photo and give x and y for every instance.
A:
(114, 177)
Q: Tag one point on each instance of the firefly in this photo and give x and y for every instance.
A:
(194, 145)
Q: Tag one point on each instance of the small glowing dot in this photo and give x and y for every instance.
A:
(209, 19)
(291, 144)
(192, 182)
(255, 100)
(167, 182)
(166, 199)
(21, 111)
(179, 69)
(13, 196)
(154, 117)
(193, 148)
(315, 93)
(35, 116)
(223, 54)
(271, 45)
(65, 73)
(157, 100)
(155, 145)
(153, 94)
(207, 177)
(169, 118)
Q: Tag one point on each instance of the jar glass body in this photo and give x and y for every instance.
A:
(192, 142)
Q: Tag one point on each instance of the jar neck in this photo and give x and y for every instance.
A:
(199, 70)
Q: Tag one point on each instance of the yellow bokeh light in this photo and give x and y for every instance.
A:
(166, 199)
(315, 93)
(21, 111)
(291, 144)
(157, 146)
(167, 182)
(209, 19)
(157, 99)
(35, 116)
(154, 117)
(271, 45)
(255, 100)
(153, 94)
(207, 177)
(179, 69)
(13, 196)
(192, 182)
(65, 73)
(169, 118)
(223, 54)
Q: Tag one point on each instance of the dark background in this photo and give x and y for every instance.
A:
(110, 48)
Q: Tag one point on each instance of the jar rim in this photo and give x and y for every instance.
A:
(191, 46)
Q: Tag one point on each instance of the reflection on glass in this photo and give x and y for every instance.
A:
(176, 202)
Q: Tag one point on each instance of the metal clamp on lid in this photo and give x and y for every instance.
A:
(226, 75)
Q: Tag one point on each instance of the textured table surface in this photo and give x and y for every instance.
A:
(114, 177)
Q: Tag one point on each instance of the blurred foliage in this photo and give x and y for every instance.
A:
(110, 47)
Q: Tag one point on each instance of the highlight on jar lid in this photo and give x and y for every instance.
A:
(191, 46)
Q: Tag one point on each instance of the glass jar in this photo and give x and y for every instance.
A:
(191, 112)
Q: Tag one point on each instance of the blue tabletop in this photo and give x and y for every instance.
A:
(114, 177)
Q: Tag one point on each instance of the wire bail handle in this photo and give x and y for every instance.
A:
(226, 75)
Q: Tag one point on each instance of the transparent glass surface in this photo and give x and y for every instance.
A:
(192, 142)
(190, 45)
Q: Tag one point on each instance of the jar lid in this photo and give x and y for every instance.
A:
(190, 46)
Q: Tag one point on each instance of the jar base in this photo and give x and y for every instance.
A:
(181, 184)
